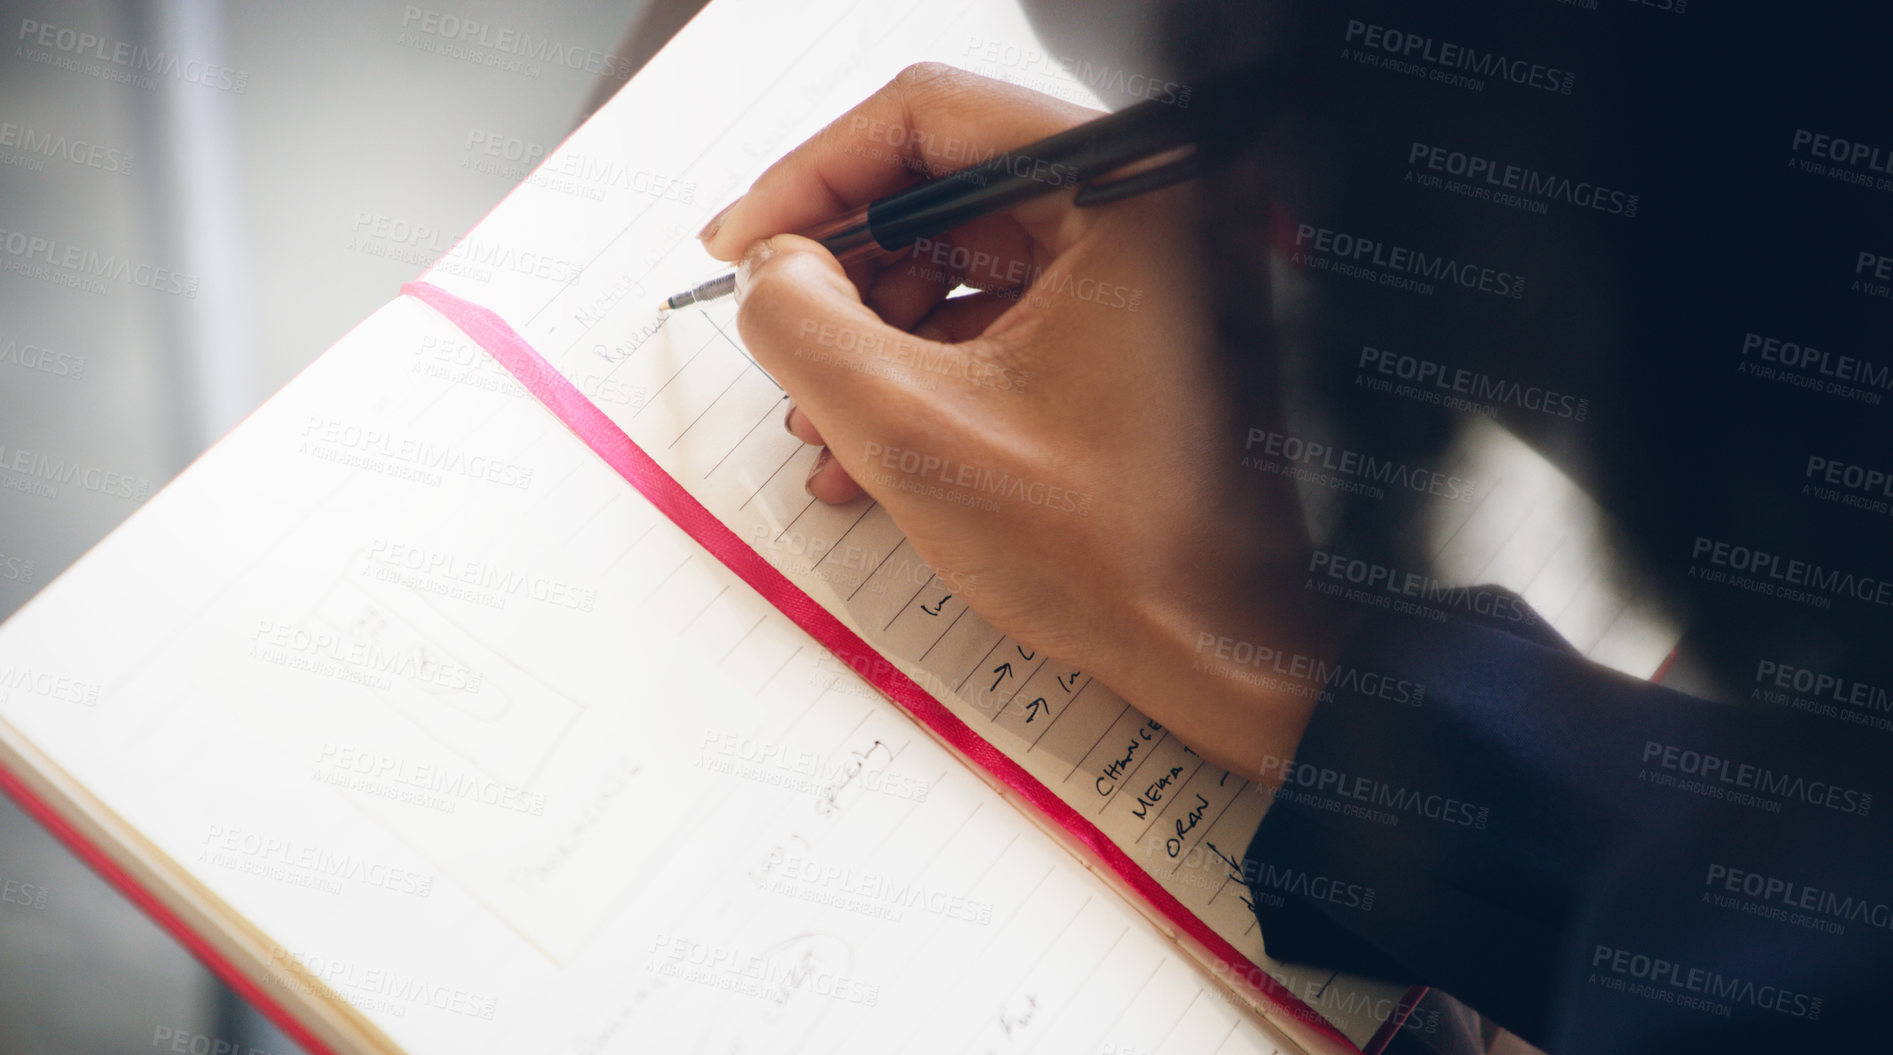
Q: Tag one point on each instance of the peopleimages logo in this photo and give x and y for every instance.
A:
(1394, 474)
(1450, 62)
(1822, 686)
(1858, 486)
(1824, 695)
(1354, 795)
(48, 684)
(1730, 775)
(1021, 280)
(974, 480)
(374, 988)
(483, 575)
(1305, 885)
(49, 259)
(1783, 894)
(1795, 356)
(904, 350)
(1451, 382)
(1842, 151)
(15, 569)
(872, 894)
(1395, 265)
(303, 864)
(290, 645)
(77, 151)
(769, 977)
(1320, 676)
(1705, 983)
(1805, 366)
(1842, 160)
(1100, 78)
(472, 33)
(42, 359)
(1853, 477)
(1498, 176)
(331, 439)
(464, 786)
(36, 474)
(124, 62)
(379, 234)
(1771, 574)
(1375, 582)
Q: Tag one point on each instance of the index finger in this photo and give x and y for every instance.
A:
(930, 119)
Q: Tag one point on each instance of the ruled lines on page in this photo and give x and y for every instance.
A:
(713, 419)
(412, 681)
(688, 393)
(506, 762)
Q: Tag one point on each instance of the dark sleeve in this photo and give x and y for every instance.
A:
(1597, 863)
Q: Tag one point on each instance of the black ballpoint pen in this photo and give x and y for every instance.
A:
(1072, 158)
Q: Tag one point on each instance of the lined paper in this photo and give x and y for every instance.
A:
(408, 677)
(422, 688)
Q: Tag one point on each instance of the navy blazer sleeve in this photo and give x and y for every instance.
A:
(1597, 863)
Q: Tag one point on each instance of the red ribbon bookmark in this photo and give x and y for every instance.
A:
(609, 442)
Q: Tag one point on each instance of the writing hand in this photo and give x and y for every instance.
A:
(1060, 440)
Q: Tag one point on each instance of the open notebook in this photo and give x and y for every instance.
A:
(434, 734)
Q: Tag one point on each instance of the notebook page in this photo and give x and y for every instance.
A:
(684, 389)
(417, 685)
(508, 764)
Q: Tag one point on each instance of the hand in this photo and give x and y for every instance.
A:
(1062, 437)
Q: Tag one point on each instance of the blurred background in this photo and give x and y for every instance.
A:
(271, 172)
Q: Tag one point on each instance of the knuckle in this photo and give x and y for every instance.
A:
(924, 75)
(931, 85)
(766, 317)
(776, 298)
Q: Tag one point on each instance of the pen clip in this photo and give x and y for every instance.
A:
(1187, 167)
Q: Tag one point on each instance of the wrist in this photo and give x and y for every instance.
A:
(1235, 671)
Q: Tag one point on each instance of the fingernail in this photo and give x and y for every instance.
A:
(716, 222)
(821, 462)
(788, 415)
(752, 260)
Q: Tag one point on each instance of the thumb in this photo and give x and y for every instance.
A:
(803, 321)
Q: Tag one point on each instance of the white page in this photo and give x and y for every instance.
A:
(687, 393)
(424, 690)
(711, 421)
(695, 804)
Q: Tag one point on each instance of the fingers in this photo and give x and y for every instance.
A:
(904, 295)
(800, 426)
(792, 295)
(829, 482)
(804, 322)
(963, 318)
(930, 119)
(993, 253)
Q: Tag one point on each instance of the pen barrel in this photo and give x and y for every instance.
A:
(848, 236)
(1056, 163)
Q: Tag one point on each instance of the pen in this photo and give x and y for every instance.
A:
(1075, 157)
